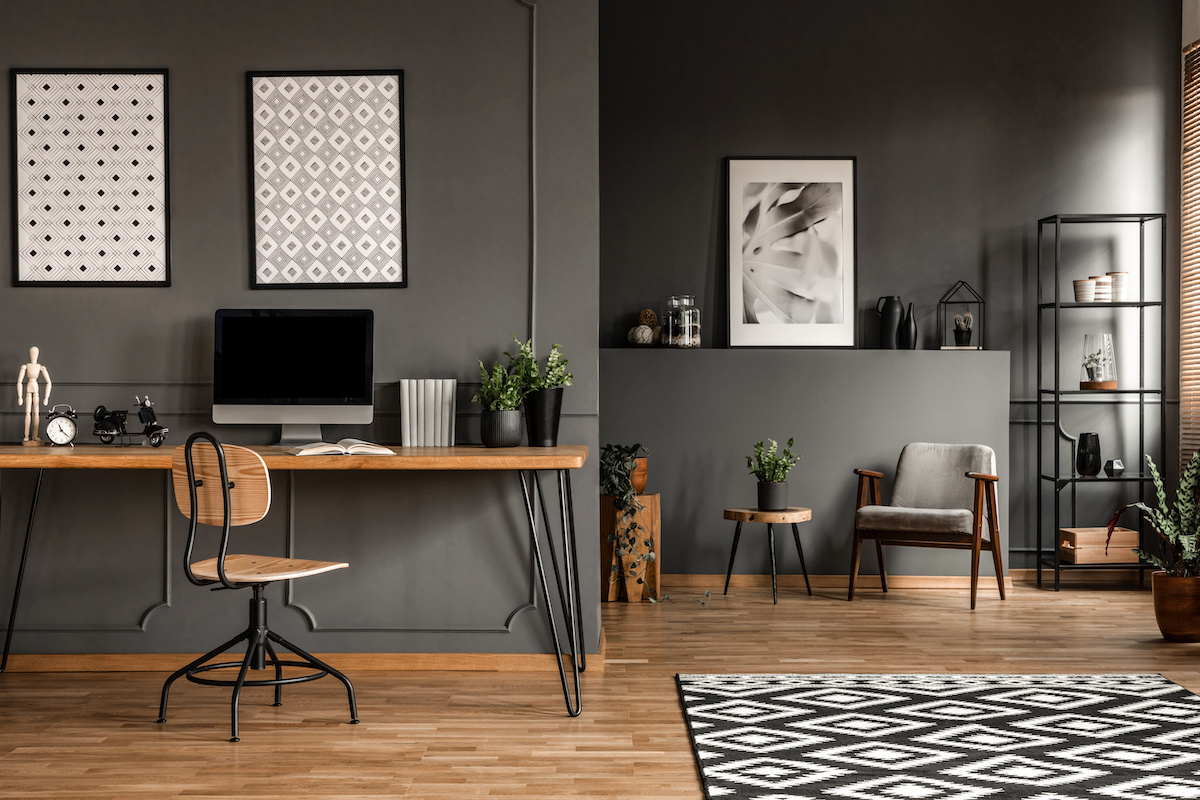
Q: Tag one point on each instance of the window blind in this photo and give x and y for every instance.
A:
(1189, 268)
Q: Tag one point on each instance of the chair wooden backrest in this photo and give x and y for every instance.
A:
(250, 495)
(217, 484)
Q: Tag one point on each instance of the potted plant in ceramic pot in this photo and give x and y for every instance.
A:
(544, 391)
(772, 471)
(500, 394)
(1177, 586)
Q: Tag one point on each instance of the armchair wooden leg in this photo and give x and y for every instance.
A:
(996, 561)
(974, 571)
(882, 564)
(855, 553)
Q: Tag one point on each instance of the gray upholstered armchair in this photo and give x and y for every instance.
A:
(944, 496)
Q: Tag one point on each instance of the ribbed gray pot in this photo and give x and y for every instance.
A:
(500, 428)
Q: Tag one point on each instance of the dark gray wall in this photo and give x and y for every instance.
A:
(434, 557)
(969, 122)
(846, 409)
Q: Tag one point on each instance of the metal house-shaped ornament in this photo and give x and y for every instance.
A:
(961, 303)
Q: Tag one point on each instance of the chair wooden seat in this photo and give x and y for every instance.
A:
(244, 568)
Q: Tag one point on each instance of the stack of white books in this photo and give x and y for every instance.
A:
(427, 410)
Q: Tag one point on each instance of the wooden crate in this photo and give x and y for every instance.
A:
(612, 587)
(1086, 546)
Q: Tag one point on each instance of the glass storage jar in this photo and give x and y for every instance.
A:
(681, 322)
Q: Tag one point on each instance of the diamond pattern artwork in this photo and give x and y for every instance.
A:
(327, 162)
(90, 152)
(943, 737)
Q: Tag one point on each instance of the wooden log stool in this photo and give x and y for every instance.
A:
(792, 516)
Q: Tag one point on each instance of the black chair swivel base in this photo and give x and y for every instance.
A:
(259, 638)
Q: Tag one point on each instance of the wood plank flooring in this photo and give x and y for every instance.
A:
(471, 735)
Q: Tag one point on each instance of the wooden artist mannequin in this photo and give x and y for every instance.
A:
(28, 394)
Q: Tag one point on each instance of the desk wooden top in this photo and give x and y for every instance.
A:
(462, 457)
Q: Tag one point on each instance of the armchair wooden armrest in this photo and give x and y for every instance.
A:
(868, 488)
(985, 503)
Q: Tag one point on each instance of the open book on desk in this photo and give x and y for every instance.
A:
(345, 447)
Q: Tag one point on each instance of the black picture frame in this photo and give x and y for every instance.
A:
(88, 114)
(257, 181)
(741, 171)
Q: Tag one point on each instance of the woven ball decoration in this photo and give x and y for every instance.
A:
(641, 335)
(647, 317)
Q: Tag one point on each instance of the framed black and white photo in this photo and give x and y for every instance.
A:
(89, 174)
(327, 179)
(791, 252)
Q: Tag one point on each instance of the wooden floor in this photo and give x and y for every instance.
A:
(465, 735)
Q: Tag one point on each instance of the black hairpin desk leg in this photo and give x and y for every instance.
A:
(12, 614)
(573, 708)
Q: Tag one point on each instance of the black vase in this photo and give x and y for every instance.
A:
(500, 428)
(543, 409)
(1087, 457)
(772, 496)
(890, 311)
(907, 335)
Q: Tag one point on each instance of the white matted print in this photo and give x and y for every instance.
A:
(327, 174)
(90, 178)
(791, 252)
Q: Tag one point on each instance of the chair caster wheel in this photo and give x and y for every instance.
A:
(353, 722)
(162, 719)
(235, 739)
(276, 705)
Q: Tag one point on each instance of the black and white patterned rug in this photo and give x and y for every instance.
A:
(943, 737)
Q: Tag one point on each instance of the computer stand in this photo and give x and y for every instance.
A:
(292, 434)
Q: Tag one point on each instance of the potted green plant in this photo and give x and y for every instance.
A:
(500, 394)
(772, 471)
(1177, 585)
(962, 329)
(544, 391)
(619, 465)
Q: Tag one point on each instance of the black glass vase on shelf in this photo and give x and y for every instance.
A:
(1087, 457)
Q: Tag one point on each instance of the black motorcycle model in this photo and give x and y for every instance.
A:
(110, 425)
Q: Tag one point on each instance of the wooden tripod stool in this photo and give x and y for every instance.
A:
(792, 516)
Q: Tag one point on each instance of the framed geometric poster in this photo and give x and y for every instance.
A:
(791, 252)
(89, 175)
(327, 179)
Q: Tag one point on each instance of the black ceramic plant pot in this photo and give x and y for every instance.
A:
(500, 428)
(543, 409)
(962, 338)
(772, 496)
(1087, 458)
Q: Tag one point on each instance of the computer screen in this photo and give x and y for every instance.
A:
(288, 366)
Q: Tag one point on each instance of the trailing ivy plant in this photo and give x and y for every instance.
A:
(524, 364)
(502, 390)
(1178, 525)
(769, 467)
(617, 462)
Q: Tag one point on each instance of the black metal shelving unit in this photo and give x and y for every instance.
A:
(1142, 396)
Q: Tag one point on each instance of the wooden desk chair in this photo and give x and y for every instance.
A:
(230, 486)
(944, 496)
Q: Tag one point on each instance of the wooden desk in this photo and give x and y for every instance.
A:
(460, 458)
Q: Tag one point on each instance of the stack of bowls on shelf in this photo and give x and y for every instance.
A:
(1085, 291)
(1120, 284)
(1104, 293)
